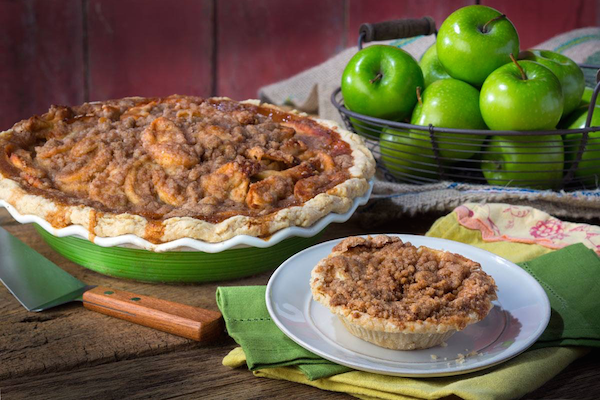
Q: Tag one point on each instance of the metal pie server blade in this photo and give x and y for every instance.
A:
(35, 281)
(39, 284)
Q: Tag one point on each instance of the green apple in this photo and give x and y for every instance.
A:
(381, 81)
(474, 41)
(576, 120)
(450, 103)
(586, 97)
(568, 119)
(432, 69)
(369, 131)
(522, 96)
(406, 158)
(525, 161)
(588, 169)
(566, 70)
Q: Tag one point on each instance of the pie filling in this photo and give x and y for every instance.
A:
(388, 279)
(177, 156)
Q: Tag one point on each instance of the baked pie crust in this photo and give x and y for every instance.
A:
(181, 167)
(398, 296)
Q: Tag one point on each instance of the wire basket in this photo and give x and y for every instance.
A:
(567, 159)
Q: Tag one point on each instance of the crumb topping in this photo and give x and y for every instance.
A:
(177, 156)
(386, 278)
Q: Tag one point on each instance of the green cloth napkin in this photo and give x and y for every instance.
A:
(569, 276)
(249, 324)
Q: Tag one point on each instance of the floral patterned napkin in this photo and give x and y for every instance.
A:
(504, 222)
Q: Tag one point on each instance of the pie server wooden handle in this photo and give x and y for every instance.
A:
(179, 319)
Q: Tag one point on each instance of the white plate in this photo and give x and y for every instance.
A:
(187, 244)
(519, 317)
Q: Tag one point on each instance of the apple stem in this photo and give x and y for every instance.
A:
(523, 76)
(419, 96)
(377, 77)
(485, 27)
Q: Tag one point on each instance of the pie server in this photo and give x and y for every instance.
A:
(40, 284)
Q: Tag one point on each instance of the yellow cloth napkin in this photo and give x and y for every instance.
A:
(512, 379)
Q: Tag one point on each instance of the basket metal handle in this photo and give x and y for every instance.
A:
(395, 29)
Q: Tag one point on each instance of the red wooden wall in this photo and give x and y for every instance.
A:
(70, 51)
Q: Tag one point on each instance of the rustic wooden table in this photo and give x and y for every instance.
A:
(72, 353)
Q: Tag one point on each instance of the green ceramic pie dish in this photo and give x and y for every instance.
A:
(175, 266)
(182, 260)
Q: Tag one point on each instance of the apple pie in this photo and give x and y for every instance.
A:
(181, 167)
(398, 296)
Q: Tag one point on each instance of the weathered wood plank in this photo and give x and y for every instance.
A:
(264, 41)
(41, 57)
(539, 20)
(580, 380)
(361, 11)
(194, 373)
(152, 48)
(6, 219)
(197, 372)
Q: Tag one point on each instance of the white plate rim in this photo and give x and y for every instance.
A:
(457, 369)
(187, 244)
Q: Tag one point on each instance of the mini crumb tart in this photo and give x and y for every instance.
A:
(181, 167)
(398, 296)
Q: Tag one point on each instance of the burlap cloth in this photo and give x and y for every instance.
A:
(311, 90)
